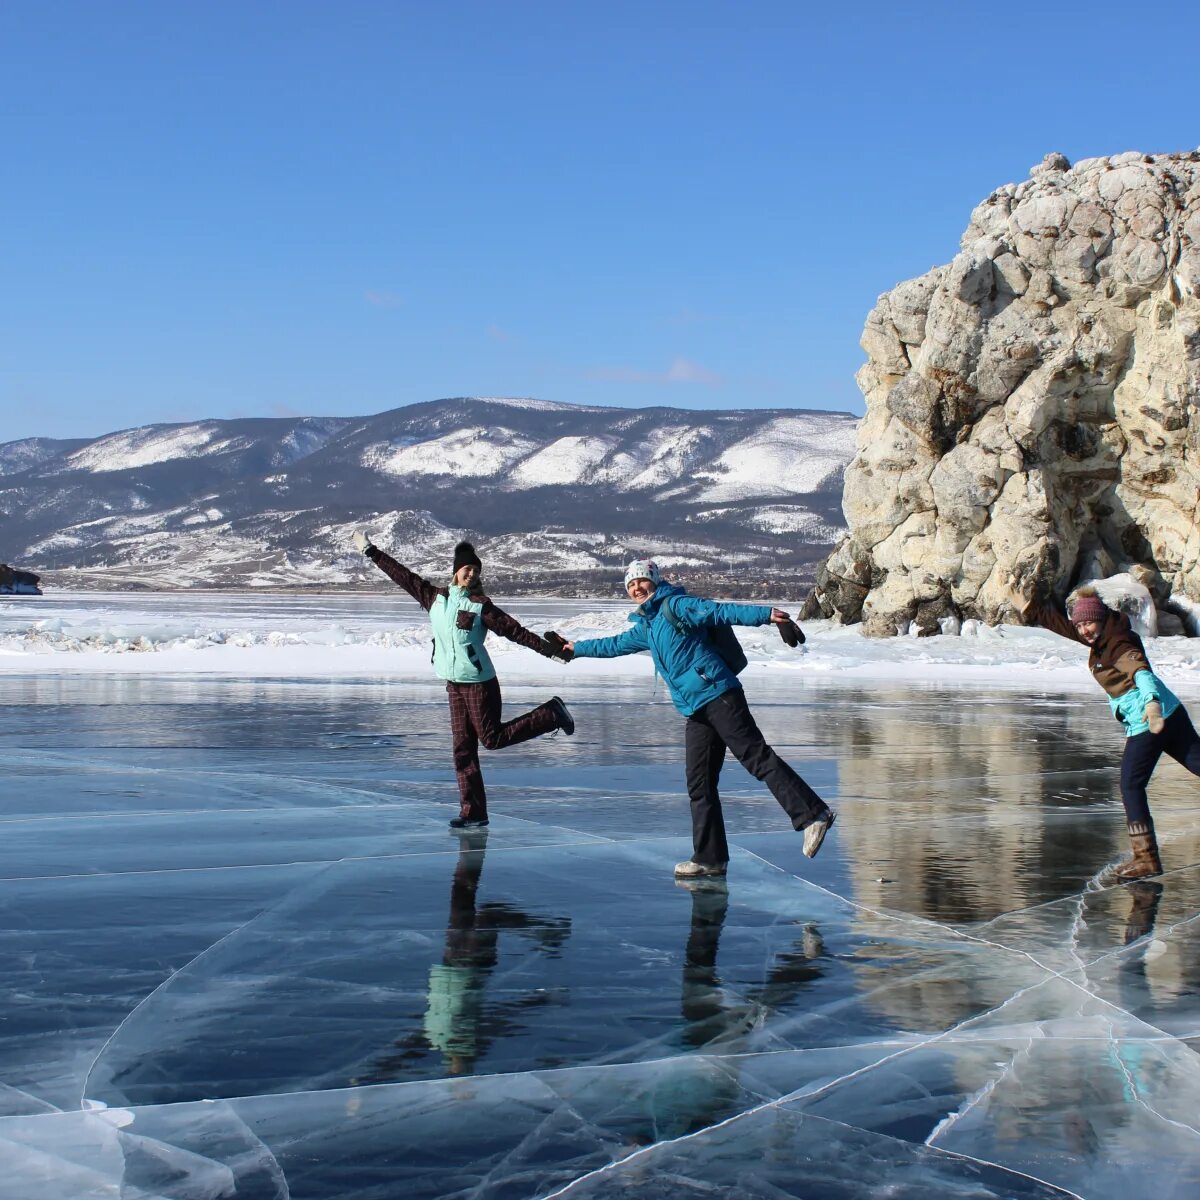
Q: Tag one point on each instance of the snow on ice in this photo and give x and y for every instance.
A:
(378, 634)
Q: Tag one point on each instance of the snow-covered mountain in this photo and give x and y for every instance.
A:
(553, 494)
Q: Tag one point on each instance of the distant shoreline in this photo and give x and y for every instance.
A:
(793, 590)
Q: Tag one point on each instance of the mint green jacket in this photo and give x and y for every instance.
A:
(460, 620)
(459, 655)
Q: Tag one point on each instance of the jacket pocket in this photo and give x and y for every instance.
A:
(473, 657)
(464, 619)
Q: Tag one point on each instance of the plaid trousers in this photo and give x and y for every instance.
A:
(475, 718)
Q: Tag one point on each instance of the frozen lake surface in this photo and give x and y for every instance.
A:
(243, 956)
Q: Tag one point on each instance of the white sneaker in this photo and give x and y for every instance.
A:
(695, 870)
(814, 834)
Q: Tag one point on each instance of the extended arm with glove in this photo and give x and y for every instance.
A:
(421, 590)
(791, 633)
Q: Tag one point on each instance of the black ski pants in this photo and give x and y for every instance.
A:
(1142, 752)
(727, 722)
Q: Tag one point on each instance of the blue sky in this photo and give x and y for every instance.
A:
(248, 209)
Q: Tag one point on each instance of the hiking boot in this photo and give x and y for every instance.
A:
(468, 823)
(562, 715)
(695, 870)
(1145, 862)
(815, 831)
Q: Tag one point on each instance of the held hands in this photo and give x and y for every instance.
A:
(1154, 717)
(361, 541)
(560, 648)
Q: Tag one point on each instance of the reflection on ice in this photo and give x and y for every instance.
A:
(571, 955)
(283, 977)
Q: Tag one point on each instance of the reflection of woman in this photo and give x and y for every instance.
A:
(691, 1092)
(456, 983)
(703, 1003)
(455, 1004)
(462, 616)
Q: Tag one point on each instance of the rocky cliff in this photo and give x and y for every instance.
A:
(1032, 406)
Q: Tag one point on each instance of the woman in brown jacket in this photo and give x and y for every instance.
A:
(1155, 721)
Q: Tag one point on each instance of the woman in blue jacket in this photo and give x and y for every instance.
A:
(706, 691)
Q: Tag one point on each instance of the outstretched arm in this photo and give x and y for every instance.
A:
(497, 621)
(1046, 611)
(630, 642)
(696, 611)
(421, 590)
(1051, 614)
(693, 610)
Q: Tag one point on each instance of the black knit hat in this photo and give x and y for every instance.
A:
(465, 556)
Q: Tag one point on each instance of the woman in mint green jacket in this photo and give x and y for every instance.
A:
(462, 616)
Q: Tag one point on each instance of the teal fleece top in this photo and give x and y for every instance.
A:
(1130, 707)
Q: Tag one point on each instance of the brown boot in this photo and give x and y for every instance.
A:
(1145, 861)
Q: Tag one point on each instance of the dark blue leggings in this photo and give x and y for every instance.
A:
(1142, 752)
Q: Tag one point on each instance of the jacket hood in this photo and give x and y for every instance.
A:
(648, 609)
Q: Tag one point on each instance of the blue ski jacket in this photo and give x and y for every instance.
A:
(695, 673)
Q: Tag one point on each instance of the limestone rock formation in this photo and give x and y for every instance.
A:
(1032, 406)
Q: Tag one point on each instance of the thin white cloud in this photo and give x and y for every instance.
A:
(688, 316)
(681, 370)
(382, 299)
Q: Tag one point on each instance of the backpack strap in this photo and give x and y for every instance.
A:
(674, 620)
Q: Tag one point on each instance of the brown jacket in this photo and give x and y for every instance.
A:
(1117, 654)
(496, 620)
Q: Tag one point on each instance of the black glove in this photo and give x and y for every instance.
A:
(557, 645)
(791, 633)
